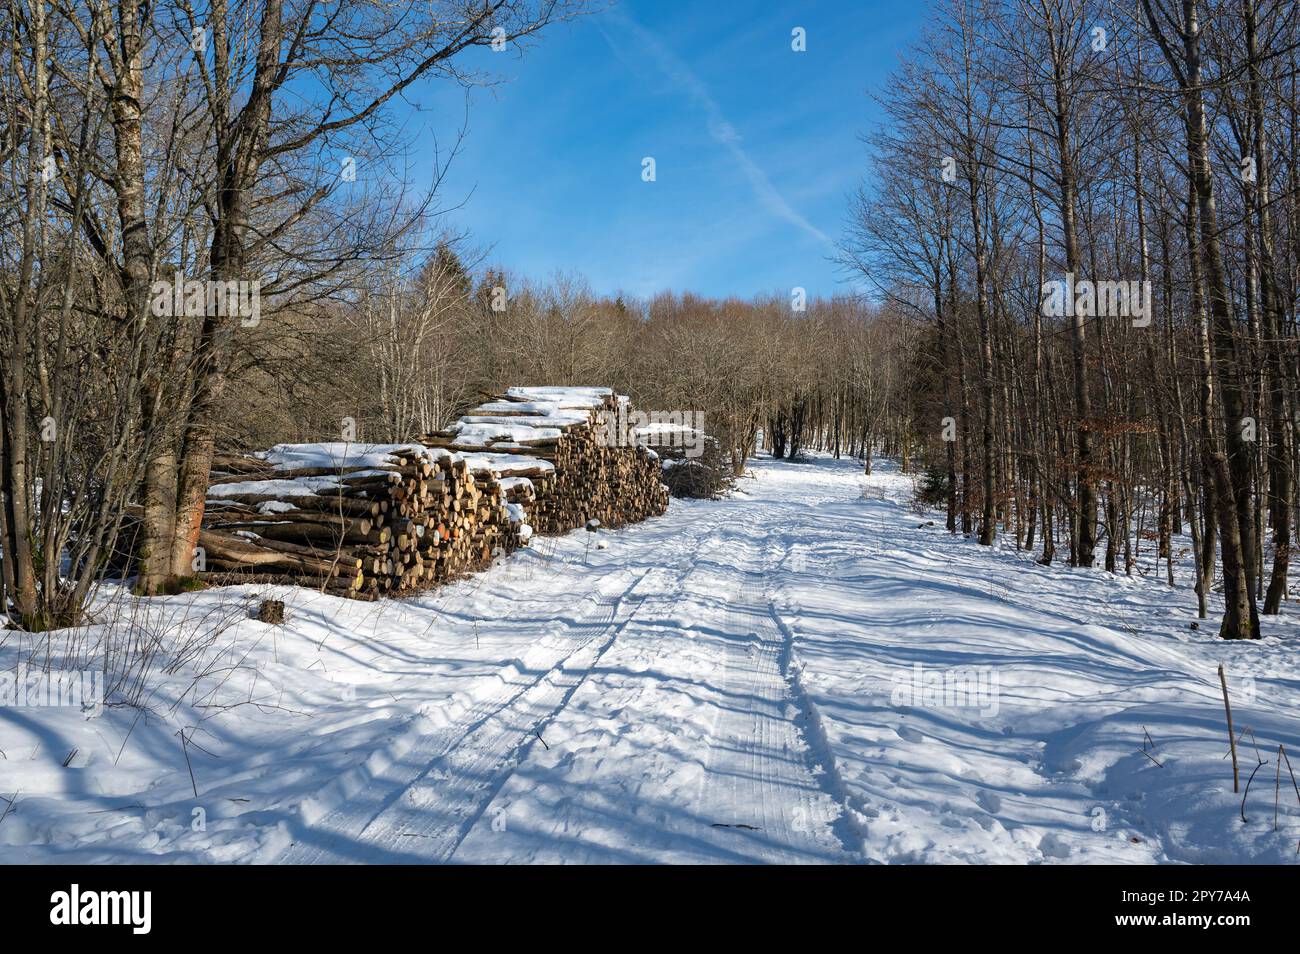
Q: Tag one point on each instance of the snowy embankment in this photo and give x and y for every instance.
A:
(751, 679)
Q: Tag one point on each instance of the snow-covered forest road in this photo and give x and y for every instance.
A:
(746, 680)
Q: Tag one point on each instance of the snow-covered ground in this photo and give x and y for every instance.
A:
(746, 680)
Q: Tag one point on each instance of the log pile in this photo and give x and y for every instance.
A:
(556, 453)
(365, 521)
(355, 520)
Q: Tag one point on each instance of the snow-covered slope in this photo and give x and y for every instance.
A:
(748, 680)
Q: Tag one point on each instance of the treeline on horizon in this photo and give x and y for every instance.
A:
(413, 349)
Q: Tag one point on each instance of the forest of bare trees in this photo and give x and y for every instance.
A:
(1092, 209)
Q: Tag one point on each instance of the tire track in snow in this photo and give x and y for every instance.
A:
(438, 810)
(613, 760)
(776, 788)
(659, 584)
(404, 804)
(820, 753)
(335, 819)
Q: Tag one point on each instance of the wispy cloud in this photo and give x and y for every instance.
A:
(722, 131)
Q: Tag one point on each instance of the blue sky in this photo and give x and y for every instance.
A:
(756, 146)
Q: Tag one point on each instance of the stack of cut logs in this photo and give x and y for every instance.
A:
(559, 454)
(355, 520)
(365, 520)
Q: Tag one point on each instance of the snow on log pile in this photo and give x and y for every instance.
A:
(556, 456)
(364, 520)
(357, 520)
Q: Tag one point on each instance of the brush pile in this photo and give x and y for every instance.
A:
(694, 464)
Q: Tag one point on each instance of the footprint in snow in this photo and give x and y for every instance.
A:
(909, 734)
(1054, 846)
(989, 801)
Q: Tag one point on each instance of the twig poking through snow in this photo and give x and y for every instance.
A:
(9, 804)
(1282, 757)
(1146, 738)
(1150, 756)
(1246, 794)
(1277, 787)
(185, 749)
(1232, 739)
